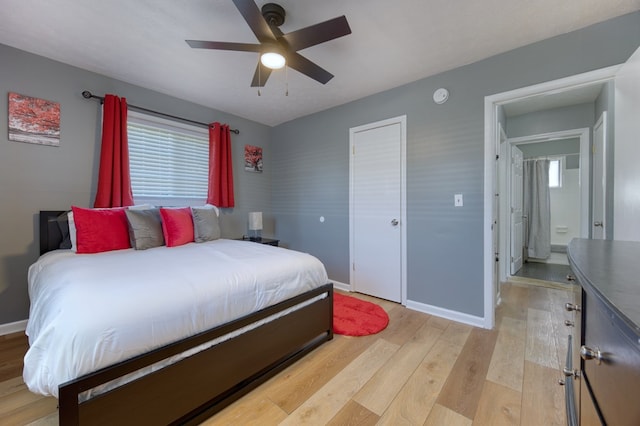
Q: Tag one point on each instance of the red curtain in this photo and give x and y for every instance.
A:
(114, 180)
(220, 192)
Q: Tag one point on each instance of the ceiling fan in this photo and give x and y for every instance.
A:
(275, 45)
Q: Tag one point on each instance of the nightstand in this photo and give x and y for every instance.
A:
(267, 241)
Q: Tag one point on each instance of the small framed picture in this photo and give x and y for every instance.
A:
(34, 120)
(253, 158)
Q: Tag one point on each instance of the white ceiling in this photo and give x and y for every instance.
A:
(392, 43)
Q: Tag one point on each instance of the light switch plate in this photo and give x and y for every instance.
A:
(457, 200)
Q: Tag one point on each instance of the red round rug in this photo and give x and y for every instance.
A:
(355, 317)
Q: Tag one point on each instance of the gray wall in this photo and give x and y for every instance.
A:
(35, 177)
(445, 155)
(551, 120)
(559, 148)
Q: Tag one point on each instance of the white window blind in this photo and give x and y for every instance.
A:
(168, 159)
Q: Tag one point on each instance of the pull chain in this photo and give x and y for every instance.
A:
(259, 78)
(286, 80)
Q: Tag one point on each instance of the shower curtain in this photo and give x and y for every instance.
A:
(537, 208)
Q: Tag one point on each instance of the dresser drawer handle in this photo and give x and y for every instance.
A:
(587, 353)
(570, 277)
(569, 323)
(571, 307)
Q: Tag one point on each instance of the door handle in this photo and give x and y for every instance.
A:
(597, 224)
(394, 222)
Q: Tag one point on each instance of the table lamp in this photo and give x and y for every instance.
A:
(255, 226)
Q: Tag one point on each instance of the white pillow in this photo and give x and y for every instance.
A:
(72, 230)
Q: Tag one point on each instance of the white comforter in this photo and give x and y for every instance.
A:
(91, 311)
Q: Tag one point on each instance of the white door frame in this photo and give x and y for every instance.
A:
(402, 121)
(500, 210)
(503, 206)
(583, 135)
(601, 123)
(491, 104)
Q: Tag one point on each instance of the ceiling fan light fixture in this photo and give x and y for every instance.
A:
(275, 48)
(273, 60)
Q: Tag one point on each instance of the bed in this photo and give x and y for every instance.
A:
(193, 365)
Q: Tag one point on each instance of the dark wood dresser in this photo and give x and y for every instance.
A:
(603, 364)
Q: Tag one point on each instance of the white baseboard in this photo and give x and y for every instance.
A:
(341, 286)
(446, 313)
(429, 309)
(13, 327)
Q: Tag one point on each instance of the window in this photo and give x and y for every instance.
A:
(555, 173)
(168, 160)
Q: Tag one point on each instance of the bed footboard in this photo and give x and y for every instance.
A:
(194, 388)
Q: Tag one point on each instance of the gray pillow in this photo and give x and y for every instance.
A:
(145, 228)
(63, 225)
(205, 224)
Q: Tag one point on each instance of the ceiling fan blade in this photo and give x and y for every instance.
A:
(318, 33)
(261, 75)
(308, 68)
(223, 45)
(250, 12)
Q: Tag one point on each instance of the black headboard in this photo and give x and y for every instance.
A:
(50, 235)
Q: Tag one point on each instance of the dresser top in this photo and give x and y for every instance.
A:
(611, 271)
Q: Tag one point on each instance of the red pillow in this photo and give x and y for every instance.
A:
(177, 226)
(99, 230)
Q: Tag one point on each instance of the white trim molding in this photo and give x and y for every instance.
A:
(446, 313)
(13, 327)
(341, 286)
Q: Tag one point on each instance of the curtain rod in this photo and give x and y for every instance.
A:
(88, 95)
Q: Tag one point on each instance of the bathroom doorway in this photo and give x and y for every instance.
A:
(555, 201)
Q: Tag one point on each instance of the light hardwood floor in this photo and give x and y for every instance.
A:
(421, 370)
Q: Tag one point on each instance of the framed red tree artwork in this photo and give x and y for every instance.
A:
(34, 120)
(252, 158)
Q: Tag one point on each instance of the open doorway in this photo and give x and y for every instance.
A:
(534, 99)
(552, 201)
(553, 205)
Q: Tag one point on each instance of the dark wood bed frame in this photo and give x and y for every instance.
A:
(191, 390)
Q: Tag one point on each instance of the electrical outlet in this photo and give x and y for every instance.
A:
(457, 200)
